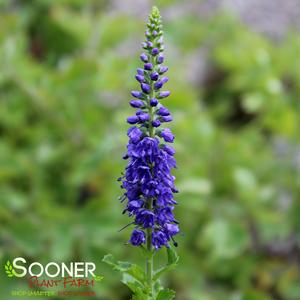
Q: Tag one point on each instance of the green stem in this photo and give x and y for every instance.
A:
(149, 261)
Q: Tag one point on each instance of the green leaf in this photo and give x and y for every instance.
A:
(166, 294)
(140, 295)
(157, 287)
(131, 282)
(172, 256)
(172, 263)
(125, 267)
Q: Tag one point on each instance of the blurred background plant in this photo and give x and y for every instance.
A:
(66, 69)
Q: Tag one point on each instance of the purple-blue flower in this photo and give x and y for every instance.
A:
(134, 134)
(145, 218)
(168, 118)
(167, 135)
(148, 182)
(170, 150)
(163, 111)
(144, 117)
(138, 237)
(159, 239)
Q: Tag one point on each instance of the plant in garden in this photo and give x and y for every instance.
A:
(148, 182)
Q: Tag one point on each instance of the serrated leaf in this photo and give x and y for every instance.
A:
(140, 295)
(132, 283)
(172, 263)
(125, 267)
(165, 294)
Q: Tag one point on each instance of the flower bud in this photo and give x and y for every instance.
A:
(163, 94)
(164, 79)
(156, 123)
(137, 94)
(163, 69)
(154, 76)
(160, 41)
(154, 51)
(158, 85)
(144, 117)
(153, 102)
(144, 57)
(163, 111)
(160, 58)
(139, 78)
(132, 119)
(146, 88)
(149, 44)
(148, 66)
(136, 103)
(139, 112)
(140, 71)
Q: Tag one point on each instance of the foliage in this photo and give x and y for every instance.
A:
(63, 107)
(136, 278)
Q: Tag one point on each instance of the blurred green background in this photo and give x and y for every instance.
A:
(66, 71)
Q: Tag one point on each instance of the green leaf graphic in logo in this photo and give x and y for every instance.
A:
(98, 278)
(9, 269)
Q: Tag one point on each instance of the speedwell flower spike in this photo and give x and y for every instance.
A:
(148, 183)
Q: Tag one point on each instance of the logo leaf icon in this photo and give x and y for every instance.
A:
(9, 269)
(98, 278)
